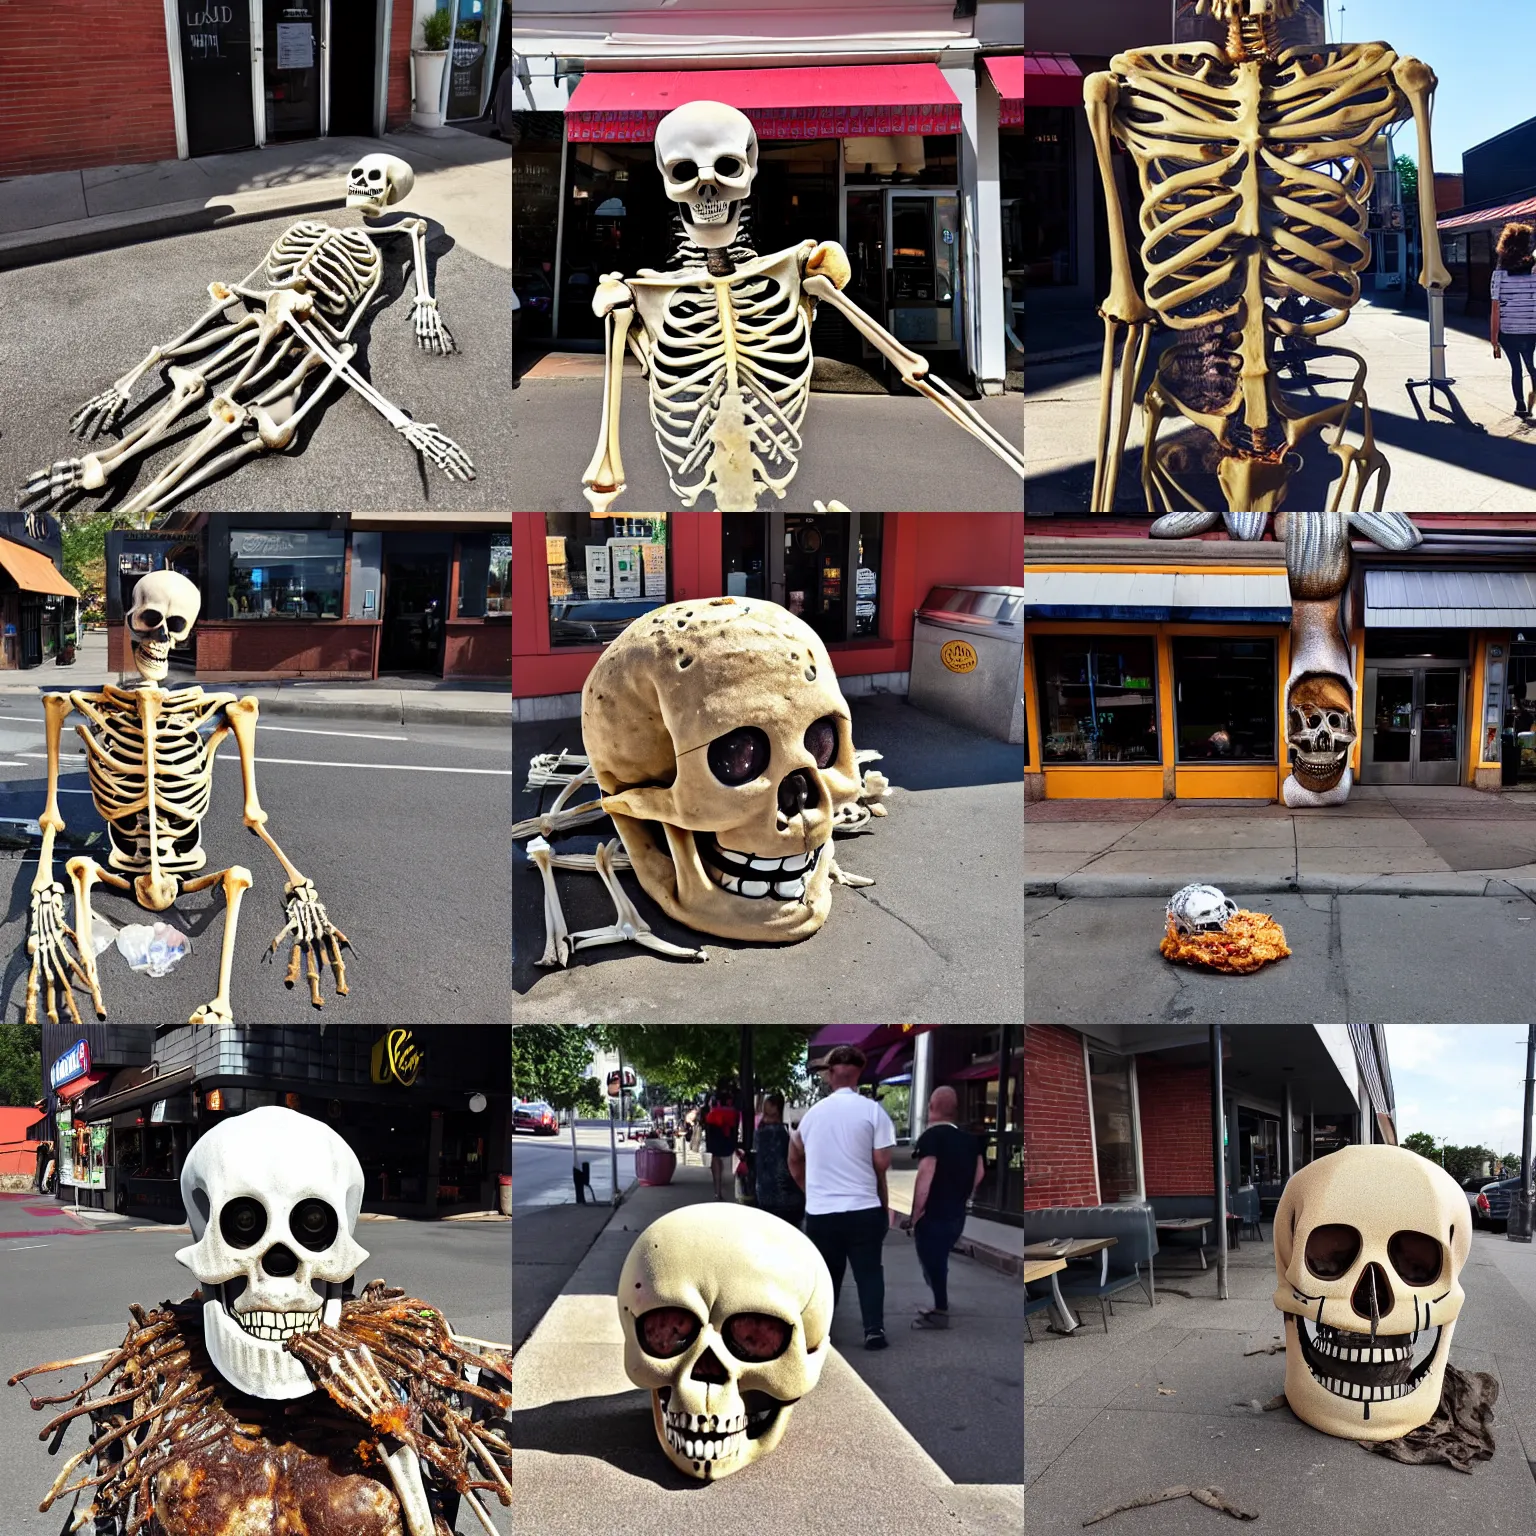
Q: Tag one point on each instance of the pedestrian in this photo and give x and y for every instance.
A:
(949, 1167)
(1512, 324)
(722, 1121)
(839, 1155)
(777, 1192)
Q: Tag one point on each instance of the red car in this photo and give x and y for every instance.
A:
(535, 1117)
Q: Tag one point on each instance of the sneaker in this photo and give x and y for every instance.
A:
(875, 1339)
(931, 1319)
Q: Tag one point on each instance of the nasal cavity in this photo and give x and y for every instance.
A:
(708, 1368)
(1373, 1277)
(279, 1261)
(798, 792)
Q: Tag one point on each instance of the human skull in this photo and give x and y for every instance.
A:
(1369, 1246)
(724, 751)
(272, 1198)
(165, 607)
(725, 1311)
(376, 181)
(1320, 729)
(707, 155)
(1201, 909)
(1235, 10)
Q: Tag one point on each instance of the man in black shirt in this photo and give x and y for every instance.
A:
(949, 1168)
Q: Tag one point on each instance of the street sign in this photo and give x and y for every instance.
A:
(75, 1062)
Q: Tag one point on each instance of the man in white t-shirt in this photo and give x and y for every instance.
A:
(839, 1155)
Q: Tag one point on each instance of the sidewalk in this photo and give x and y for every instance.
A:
(992, 1243)
(1171, 1397)
(587, 1458)
(463, 180)
(1382, 841)
(386, 701)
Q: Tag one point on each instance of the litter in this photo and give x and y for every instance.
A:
(154, 950)
(1212, 1498)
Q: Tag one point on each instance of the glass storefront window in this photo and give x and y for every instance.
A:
(1224, 700)
(602, 573)
(285, 574)
(540, 141)
(1046, 256)
(866, 574)
(1098, 699)
(744, 554)
(485, 571)
(1114, 1126)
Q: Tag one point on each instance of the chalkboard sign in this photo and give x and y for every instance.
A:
(467, 74)
(216, 70)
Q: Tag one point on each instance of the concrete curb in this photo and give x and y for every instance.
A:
(108, 231)
(1069, 887)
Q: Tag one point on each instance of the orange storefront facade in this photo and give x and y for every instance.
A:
(856, 578)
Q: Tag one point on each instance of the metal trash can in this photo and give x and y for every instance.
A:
(968, 658)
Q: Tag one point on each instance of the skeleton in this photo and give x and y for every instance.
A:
(1201, 909)
(151, 778)
(725, 1311)
(211, 1424)
(264, 354)
(1320, 713)
(1255, 176)
(1369, 1246)
(723, 751)
(725, 337)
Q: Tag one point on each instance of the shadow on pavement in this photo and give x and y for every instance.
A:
(617, 1430)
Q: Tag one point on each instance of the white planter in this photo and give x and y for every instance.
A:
(426, 111)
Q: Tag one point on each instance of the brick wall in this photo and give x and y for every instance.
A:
(1058, 1136)
(82, 83)
(1175, 1127)
(402, 34)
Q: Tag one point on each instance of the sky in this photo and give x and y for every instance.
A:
(1480, 50)
(1462, 1083)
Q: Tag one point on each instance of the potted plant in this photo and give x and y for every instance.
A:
(430, 61)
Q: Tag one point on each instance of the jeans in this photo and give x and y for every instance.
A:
(1519, 347)
(793, 1214)
(854, 1238)
(935, 1237)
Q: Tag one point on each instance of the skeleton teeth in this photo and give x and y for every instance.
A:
(733, 858)
(711, 213)
(793, 891)
(754, 887)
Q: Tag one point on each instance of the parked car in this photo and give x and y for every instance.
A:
(1471, 1187)
(1491, 1208)
(536, 1117)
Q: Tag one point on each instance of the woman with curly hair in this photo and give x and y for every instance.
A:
(1513, 323)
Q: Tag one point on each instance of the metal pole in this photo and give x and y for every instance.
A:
(1288, 1160)
(1518, 1227)
(1219, 1161)
(1311, 1136)
(613, 1146)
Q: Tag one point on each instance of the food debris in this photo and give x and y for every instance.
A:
(1250, 940)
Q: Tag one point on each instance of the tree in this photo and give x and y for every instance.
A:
(692, 1058)
(21, 1063)
(1511, 1161)
(1408, 180)
(83, 557)
(1422, 1143)
(550, 1062)
(1464, 1162)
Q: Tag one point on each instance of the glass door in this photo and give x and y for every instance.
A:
(923, 238)
(292, 85)
(216, 77)
(1440, 695)
(1413, 726)
(1386, 755)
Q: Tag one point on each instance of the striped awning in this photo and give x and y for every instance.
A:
(1157, 596)
(1489, 218)
(1449, 599)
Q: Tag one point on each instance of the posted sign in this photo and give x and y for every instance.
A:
(75, 1062)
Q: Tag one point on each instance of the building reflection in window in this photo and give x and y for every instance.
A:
(285, 574)
(1098, 698)
(602, 574)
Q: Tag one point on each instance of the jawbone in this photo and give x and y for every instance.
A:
(260, 1367)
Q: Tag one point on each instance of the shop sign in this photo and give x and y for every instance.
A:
(397, 1058)
(75, 1062)
(613, 1081)
(959, 656)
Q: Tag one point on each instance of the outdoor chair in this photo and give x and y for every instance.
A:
(1245, 1208)
(1034, 1304)
(1111, 1270)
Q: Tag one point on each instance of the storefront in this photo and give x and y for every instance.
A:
(39, 609)
(889, 145)
(329, 594)
(854, 577)
(427, 1111)
(984, 1065)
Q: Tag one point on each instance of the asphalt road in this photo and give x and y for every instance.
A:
(870, 452)
(935, 939)
(67, 1296)
(73, 326)
(1371, 959)
(397, 826)
(541, 1167)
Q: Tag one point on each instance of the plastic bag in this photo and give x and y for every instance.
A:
(103, 936)
(154, 950)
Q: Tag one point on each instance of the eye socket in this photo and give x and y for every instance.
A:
(1332, 1249)
(150, 618)
(175, 623)
(757, 1336)
(242, 1222)
(314, 1224)
(821, 740)
(728, 165)
(666, 1332)
(740, 755)
(683, 170)
(1416, 1256)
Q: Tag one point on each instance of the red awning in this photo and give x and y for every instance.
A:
(80, 1085)
(826, 102)
(1049, 79)
(1490, 218)
(1007, 72)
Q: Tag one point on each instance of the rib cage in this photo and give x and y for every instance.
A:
(117, 759)
(337, 266)
(707, 367)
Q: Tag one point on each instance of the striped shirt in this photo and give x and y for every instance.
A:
(1515, 294)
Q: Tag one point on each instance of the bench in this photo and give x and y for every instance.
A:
(1111, 1270)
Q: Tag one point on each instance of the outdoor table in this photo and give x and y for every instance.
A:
(1064, 1249)
(1188, 1224)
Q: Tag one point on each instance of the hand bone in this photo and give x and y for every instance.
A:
(52, 962)
(99, 413)
(432, 335)
(314, 934)
(441, 449)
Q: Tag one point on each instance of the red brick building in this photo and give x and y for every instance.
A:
(1123, 1112)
